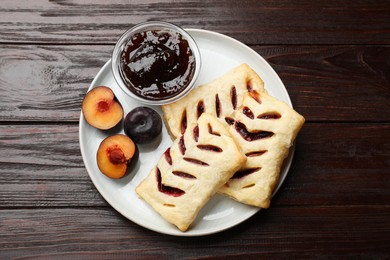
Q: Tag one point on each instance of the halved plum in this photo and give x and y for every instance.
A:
(115, 155)
(101, 109)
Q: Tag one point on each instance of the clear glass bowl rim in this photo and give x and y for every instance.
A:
(150, 25)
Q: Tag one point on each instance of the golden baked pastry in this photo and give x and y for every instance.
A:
(196, 165)
(265, 129)
(219, 98)
(234, 99)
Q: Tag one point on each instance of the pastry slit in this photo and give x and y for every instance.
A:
(249, 85)
(270, 115)
(251, 136)
(256, 96)
(200, 108)
(248, 186)
(217, 106)
(248, 112)
(209, 147)
(171, 191)
(183, 125)
(183, 174)
(212, 132)
(167, 155)
(255, 153)
(229, 120)
(233, 96)
(195, 132)
(182, 146)
(244, 173)
(196, 161)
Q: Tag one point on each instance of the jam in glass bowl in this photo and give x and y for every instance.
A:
(156, 63)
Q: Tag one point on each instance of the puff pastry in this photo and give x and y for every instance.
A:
(219, 98)
(265, 129)
(196, 165)
(238, 99)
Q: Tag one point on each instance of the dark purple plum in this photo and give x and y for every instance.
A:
(143, 125)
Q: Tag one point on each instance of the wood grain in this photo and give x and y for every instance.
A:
(312, 232)
(343, 83)
(348, 164)
(43, 186)
(344, 165)
(53, 79)
(253, 22)
(333, 57)
(45, 145)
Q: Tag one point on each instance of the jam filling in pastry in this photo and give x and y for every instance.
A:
(265, 128)
(219, 98)
(197, 164)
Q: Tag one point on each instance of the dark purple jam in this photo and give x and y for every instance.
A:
(157, 64)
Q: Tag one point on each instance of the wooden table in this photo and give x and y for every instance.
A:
(333, 57)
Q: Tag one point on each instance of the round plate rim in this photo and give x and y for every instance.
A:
(253, 211)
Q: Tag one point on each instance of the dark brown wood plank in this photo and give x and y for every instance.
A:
(31, 185)
(56, 145)
(343, 83)
(311, 232)
(253, 22)
(334, 164)
(52, 79)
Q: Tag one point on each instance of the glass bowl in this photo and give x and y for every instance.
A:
(150, 65)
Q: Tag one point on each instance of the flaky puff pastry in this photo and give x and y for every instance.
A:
(196, 165)
(264, 128)
(219, 98)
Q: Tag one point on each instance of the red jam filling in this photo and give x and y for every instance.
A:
(200, 108)
(183, 175)
(209, 147)
(233, 96)
(182, 145)
(195, 132)
(217, 105)
(246, 111)
(175, 192)
(251, 136)
(167, 155)
(157, 64)
(269, 116)
(196, 161)
(183, 125)
(243, 173)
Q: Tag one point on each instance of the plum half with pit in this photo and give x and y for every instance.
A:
(115, 156)
(101, 109)
(143, 125)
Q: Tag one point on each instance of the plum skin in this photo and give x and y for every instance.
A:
(143, 125)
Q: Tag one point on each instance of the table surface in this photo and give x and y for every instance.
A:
(333, 57)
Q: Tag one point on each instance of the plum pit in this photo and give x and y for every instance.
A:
(115, 155)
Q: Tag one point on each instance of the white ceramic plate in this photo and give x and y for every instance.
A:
(219, 54)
